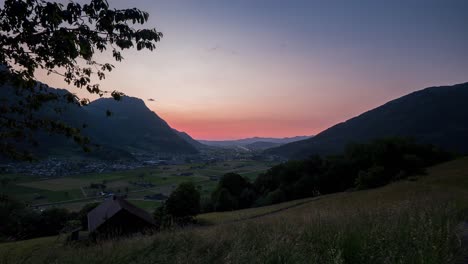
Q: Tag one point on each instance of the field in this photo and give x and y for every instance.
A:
(73, 192)
(414, 221)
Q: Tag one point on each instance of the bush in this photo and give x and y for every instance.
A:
(372, 177)
(20, 222)
(277, 196)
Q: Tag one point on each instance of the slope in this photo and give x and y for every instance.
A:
(133, 127)
(190, 140)
(437, 115)
(385, 225)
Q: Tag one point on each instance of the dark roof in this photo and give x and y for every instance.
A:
(110, 207)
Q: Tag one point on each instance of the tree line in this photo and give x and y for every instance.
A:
(361, 166)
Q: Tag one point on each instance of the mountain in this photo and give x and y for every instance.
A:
(262, 145)
(190, 140)
(246, 141)
(437, 115)
(131, 128)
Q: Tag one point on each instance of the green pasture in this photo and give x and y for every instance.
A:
(74, 191)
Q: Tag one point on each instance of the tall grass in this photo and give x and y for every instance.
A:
(411, 234)
(407, 222)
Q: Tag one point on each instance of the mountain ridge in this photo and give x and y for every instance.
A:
(436, 115)
(130, 127)
(246, 141)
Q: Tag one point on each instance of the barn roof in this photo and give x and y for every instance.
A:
(110, 207)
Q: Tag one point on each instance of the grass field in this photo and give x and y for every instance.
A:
(233, 216)
(60, 184)
(73, 192)
(414, 221)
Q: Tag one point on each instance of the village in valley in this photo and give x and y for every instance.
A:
(72, 184)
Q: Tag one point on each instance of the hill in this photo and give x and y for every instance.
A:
(384, 225)
(436, 115)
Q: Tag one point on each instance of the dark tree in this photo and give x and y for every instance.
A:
(233, 192)
(58, 39)
(184, 201)
(233, 182)
(223, 200)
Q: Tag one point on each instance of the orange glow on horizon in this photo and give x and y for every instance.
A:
(230, 129)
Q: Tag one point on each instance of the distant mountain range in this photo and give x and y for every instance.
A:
(254, 143)
(437, 115)
(262, 145)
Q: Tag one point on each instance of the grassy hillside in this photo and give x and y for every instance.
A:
(415, 221)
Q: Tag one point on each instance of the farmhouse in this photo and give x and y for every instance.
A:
(116, 216)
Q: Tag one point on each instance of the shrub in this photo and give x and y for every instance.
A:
(372, 177)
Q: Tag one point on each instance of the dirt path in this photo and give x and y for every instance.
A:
(270, 212)
(283, 209)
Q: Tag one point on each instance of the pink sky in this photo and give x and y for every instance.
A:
(234, 69)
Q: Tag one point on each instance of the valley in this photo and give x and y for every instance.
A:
(138, 184)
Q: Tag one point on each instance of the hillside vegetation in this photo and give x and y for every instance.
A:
(411, 221)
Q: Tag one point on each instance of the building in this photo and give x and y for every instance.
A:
(117, 217)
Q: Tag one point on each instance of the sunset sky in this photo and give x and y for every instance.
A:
(234, 69)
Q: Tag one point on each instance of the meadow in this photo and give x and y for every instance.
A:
(73, 192)
(411, 221)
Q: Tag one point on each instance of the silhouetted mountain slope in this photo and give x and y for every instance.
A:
(190, 140)
(437, 115)
(132, 126)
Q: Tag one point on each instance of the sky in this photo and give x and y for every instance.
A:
(233, 69)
